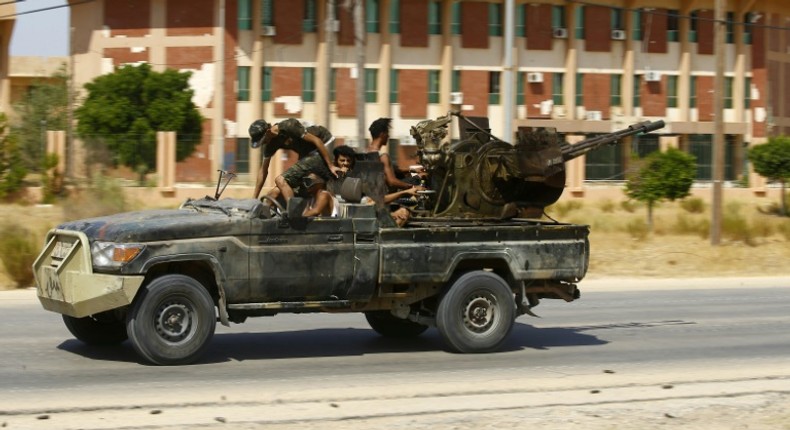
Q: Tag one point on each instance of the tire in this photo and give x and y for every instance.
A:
(101, 329)
(388, 325)
(477, 313)
(172, 321)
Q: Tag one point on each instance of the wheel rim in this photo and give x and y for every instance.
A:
(480, 313)
(175, 320)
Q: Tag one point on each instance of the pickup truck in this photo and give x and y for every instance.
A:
(163, 278)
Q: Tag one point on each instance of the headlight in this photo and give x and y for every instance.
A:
(110, 255)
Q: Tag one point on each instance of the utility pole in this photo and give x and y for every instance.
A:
(718, 125)
(329, 35)
(69, 162)
(359, 44)
(221, 90)
(507, 88)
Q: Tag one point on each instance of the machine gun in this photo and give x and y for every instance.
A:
(482, 176)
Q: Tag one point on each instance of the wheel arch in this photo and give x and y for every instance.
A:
(498, 264)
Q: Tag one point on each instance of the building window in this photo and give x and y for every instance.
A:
(643, 145)
(580, 89)
(308, 84)
(728, 80)
(245, 15)
(242, 154)
(455, 81)
(371, 85)
(579, 22)
(637, 16)
(730, 24)
(558, 17)
(673, 25)
(522, 76)
(701, 147)
(372, 16)
(266, 84)
(637, 91)
(433, 86)
(693, 26)
(617, 19)
(493, 87)
(521, 20)
(604, 164)
(693, 92)
(747, 93)
(748, 21)
(434, 17)
(495, 19)
(394, 86)
(243, 82)
(557, 88)
(616, 89)
(455, 22)
(267, 12)
(672, 91)
(394, 16)
(309, 22)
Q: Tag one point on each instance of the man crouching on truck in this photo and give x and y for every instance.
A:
(307, 142)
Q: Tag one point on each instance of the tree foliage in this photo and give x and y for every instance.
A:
(12, 169)
(44, 107)
(661, 176)
(772, 160)
(123, 111)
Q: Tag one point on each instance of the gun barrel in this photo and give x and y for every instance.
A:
(570, 152)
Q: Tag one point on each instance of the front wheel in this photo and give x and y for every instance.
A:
(100, 329)
(477, 313)
(388, 325)
(172, 321)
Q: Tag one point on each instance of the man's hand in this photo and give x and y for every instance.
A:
(335, 170)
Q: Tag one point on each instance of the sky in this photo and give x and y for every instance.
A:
(41, 34)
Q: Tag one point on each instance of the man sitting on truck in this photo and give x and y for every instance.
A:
(307, 141)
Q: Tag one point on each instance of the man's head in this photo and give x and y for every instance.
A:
(379, 127)
(257, 132)
(313, 182)
(345, 157)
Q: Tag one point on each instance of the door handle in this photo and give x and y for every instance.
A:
(335, 238)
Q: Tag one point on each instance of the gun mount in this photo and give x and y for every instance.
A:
(482, 176)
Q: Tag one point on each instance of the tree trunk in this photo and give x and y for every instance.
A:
(783, 208)
(650, 216)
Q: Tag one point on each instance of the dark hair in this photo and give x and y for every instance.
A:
(380, 126)
(347, 151)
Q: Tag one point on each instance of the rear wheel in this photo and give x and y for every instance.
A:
(477, 313)
(100, 329)
(388, 325)
(172, 321)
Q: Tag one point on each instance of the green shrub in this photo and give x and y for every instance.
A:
(564, 208)
(103, 197)
(734, 226)
(784, 229)
(690, 225)
(18, 250)
(629, 206)
(637, 229)
(694, 205)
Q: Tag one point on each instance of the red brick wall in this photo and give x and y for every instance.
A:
(413, 97)
(654, 101)
(474, 25)
(345, 36)
(782, 87)
(288, 17)
(597, 29)
(128, 18)
(413, 23)
(759, 73)
(596, 93)
(121, 56)
(705, 32)
(654, 30)
(474, 85)
(774, 75)
(538, 92)
(539, 31)
(705, 98)
(189, 57)
(346, 90)
(189, 18)
(286, 81)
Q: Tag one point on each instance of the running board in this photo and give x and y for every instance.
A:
(312, 304)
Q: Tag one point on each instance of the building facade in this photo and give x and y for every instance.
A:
(582, 67)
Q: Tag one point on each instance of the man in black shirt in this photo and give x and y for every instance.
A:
(307, 142)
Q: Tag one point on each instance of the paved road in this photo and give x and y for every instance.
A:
(632, 340)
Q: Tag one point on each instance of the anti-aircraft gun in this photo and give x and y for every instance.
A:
(482, 176)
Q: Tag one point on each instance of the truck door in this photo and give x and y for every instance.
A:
(312, 259)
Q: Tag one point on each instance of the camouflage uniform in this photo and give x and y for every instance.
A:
(290, 136)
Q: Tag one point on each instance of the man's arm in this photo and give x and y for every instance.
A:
(319, 144)
(261, 177)
(322, 203)
(389, 175)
